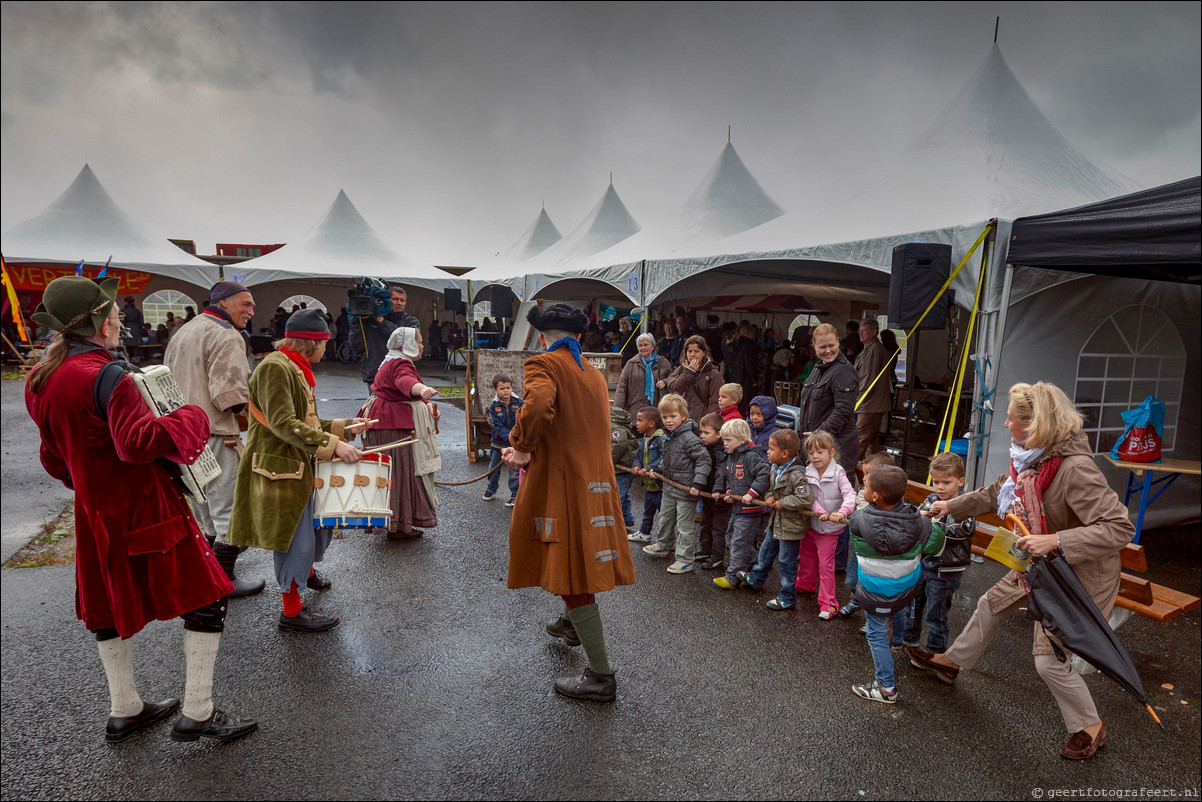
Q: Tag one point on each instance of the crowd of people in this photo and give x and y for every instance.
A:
(704, 448)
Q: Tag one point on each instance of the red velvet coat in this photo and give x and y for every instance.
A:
(139, 555)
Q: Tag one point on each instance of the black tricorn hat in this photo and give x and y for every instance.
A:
(558, 317)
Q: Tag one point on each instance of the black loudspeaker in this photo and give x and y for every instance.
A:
(919, 270)
(502, 302)
(452, 300)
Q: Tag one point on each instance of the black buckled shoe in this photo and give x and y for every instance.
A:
(317, 582)
(562, 628)
(306, 621)
(589, 686)
(118, 729)
(220, 726)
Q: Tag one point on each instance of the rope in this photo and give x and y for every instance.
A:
(469, 481)
(713, 496)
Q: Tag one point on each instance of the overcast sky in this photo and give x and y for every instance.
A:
(450, 125)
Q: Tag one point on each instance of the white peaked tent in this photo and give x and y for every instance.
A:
(541, 235)
(340, 245)
(86, 223)
(728, 200)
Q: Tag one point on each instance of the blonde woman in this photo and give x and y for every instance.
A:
(1056, 488)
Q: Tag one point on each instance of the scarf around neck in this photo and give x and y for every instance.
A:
(1020, 459)
(572, 344)
(649, 377)
(301, 363)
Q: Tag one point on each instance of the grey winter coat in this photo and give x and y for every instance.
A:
(745, 472)
(686, 459)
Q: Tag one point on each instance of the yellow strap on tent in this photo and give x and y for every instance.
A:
(930, 306)
(12, 300)
(946, 428)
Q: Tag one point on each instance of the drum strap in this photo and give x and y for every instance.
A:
(256, 413)
(106, 382)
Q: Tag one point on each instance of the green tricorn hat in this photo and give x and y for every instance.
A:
(76, 305)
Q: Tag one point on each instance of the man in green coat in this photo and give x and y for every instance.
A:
(273, 506)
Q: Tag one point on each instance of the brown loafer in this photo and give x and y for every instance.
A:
(1082, 747)
(925, 661)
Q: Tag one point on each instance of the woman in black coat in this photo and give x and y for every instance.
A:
(828, 397)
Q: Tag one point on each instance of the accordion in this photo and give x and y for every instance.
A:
(163, 395)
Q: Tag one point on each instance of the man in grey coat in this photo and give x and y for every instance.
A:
(878, 402)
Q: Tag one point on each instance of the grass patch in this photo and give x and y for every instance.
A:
(11, 376)
(53, 545)
(451, 391)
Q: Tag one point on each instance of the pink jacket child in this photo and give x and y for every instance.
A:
(816, 561)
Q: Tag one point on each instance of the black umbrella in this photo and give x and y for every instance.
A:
(1061, 604)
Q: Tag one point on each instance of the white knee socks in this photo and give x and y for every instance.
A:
(117, 654)
(200, 656)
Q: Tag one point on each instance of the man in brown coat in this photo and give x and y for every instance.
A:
(567, 535)
(871, 409)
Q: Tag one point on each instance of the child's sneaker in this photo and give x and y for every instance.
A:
(895, 647)
(829, 613)
(639, 537)
(489, 496)
(655, 551)
(875, 693)
(779, 604)
(849, 608)
(700, 558)
(745, 582)
(680, 567)
(724, 583)
(511, 502)
(712, 564)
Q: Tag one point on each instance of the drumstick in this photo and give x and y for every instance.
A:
(387, 446)
(365, 424)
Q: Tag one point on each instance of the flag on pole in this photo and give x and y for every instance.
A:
(79, 268)
(104, 272)
(11, 292)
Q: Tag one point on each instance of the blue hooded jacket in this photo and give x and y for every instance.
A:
(760, 434)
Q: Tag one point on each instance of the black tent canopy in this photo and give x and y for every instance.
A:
(1154, 234)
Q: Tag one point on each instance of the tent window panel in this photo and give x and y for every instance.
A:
(158, 304)
(1106, 441)
(1166, 341)
(1119, 367)
(1089, 392)
(1092, 416)
(308, 300)
(1112, 417)
(1147, 367)
(1169, 391)
(1107, 340)
(1118, 392)
(1172, 368)
(1142, 389)
(1091, 367)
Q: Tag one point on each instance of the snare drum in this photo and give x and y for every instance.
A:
(352, 495)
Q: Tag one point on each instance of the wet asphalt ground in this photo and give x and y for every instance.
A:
(437, 684)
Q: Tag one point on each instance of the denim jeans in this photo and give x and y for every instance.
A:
(842, 550)
(651, 502)
(877, 627)
(852, 577)
(785, 552)
(935, 595)
(494, 481)
(624, 482)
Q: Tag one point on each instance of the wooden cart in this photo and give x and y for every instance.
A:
(482, 365)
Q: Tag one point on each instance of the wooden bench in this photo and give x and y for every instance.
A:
(1136, 594)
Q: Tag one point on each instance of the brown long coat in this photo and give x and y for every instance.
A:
(1087, 515)
(566, 535)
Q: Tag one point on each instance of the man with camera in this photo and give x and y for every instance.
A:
(376, 312)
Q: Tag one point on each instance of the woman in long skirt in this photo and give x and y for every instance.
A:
(400, 402)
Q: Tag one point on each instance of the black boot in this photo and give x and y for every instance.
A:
(226, 555)
(306, 621)
(562, 628)
(590, 686)
(317, 582)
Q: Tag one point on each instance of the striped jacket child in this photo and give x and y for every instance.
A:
(889, 546)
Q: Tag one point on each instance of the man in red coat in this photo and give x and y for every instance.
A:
(140, 556)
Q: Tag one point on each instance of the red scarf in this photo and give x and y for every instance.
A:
(1028, 493)
(301, 363)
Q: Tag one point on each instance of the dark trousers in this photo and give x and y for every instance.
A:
(934, 598)
(651, 502)
(841, 550)
(715, 517)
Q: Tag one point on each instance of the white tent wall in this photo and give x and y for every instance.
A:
(423, 303)
(1045, 334)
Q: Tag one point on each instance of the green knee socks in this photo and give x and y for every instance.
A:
(587, 621)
